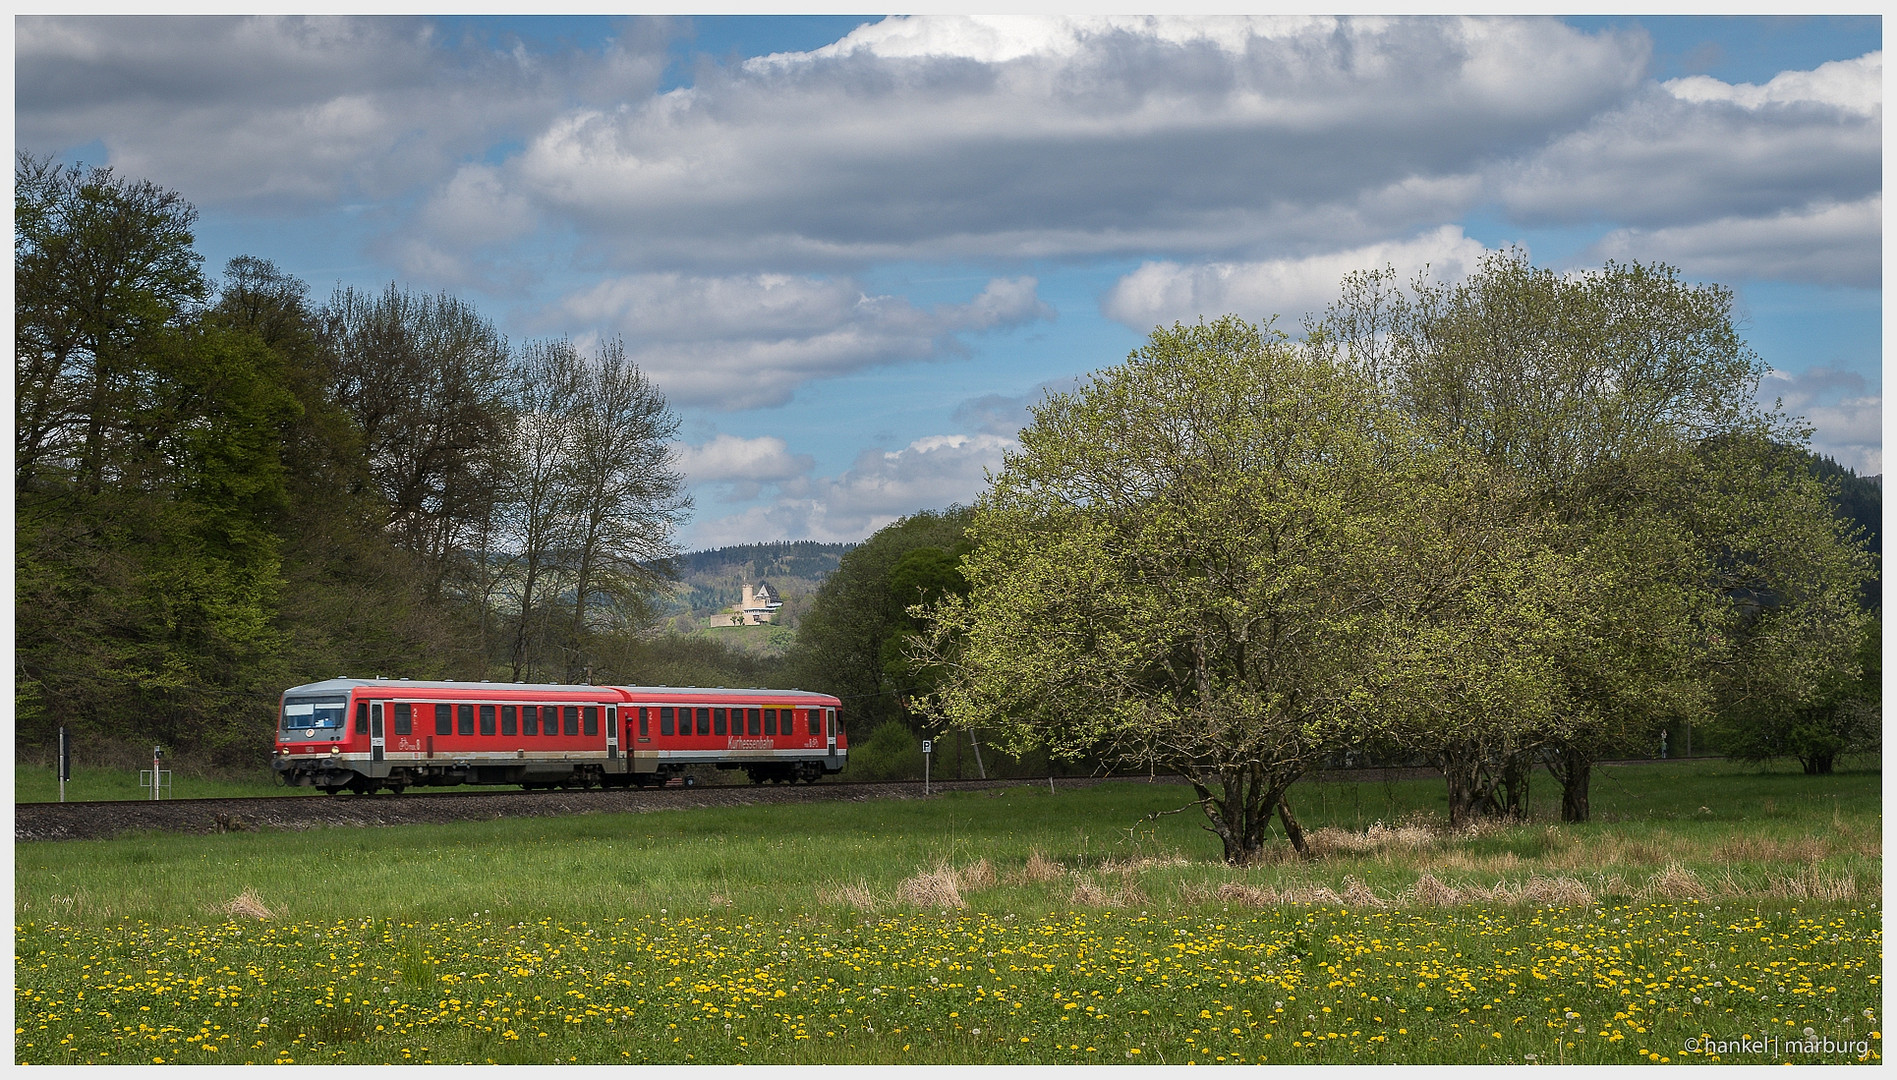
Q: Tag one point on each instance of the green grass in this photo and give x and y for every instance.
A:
(675, 924)
(40, 783)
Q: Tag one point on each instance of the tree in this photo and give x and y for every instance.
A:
(1208, 560)
(103, 267)
(425, 380)
(1800, 675)
(1591, 391)
(845, 638)
(627, 496)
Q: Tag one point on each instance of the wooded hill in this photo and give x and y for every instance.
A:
(708, 582)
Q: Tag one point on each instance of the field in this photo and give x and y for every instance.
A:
(1714, 912)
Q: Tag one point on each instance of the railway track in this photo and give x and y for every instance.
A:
(104, 820)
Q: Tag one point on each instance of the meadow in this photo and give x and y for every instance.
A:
(1712, 912)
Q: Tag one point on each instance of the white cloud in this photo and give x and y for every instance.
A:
(1832, 244)
(748, 341)
(1165, 292)
(1855, 85)
(742, 466)
(1845, 412)
(881, 486)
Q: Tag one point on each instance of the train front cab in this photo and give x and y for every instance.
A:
(315, 744)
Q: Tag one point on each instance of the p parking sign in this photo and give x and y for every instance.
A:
(928, 746)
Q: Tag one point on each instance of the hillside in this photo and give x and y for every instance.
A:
(709, 581)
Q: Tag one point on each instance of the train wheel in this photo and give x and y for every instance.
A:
(691, 781)
(331, 790)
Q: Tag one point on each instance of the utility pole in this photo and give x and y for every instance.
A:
(65, 761)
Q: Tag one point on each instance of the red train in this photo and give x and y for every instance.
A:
(363, 735)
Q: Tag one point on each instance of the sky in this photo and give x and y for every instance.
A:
(852, 251)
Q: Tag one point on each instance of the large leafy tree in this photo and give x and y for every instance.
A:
(1218, 559)
(1592, 392)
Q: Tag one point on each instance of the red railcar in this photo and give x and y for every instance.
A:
(363, 735)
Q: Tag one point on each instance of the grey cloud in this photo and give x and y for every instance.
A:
(1830, 244)
(747, 341)
(1092, 135)
(1845, 412)
(1663, 161)
(282, 111)
(999, 414)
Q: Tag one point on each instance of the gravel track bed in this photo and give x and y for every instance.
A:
(104, 820)
(99, 821)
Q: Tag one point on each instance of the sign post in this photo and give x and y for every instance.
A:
(65, 761)
(928, 747)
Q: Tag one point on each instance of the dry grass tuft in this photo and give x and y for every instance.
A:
(1812, 883)
(1751, 847)
(1042, 869)
(1430, 892)
(855, 896)
(1357, 894)
(249, 905)
(1557, 891)
(1410, 836)
(1675, 882)
(935, 888)
(978, 875)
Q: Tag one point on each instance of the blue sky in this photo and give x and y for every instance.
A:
(853, 250)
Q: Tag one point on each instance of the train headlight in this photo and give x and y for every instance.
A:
(335, 749)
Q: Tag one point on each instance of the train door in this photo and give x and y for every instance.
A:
(376, 741)
(830, 735)
(612, 734)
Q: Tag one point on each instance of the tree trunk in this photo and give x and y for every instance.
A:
(1817, 764)
(1517, 769)
(1574, 768)
(1467, 790)
(1291, 827)
(1240, 812)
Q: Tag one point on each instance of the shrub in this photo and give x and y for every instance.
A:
(892, 752)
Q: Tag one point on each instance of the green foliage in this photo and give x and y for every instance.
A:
(891, 752)
(214, 502)
(1621, 402)
(1219, 558)
(850, 632)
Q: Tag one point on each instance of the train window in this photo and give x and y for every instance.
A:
(464, 719)
(362, 718)
(718, 722)
(642, 723)
(704, 721)
(444, 719)
(770, 725)
(404, 719)
(816, 722)
(591, 715)
(665, 719)
(487, 719)
(753, 723)
(530, 719)
(510, 719)
(572, 719)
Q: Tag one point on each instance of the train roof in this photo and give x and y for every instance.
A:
(728, 692)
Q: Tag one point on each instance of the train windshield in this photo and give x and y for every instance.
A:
(314, 713)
